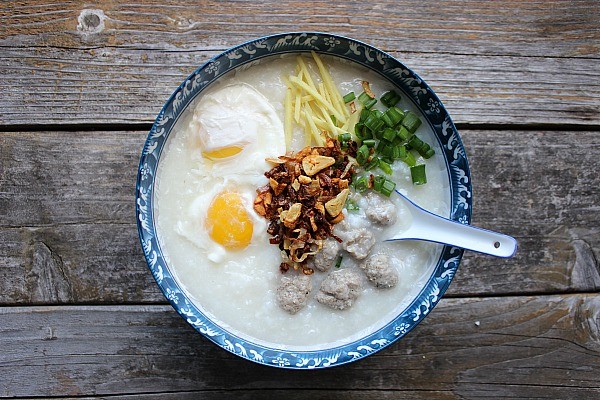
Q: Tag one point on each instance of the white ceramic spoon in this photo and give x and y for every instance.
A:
(433, 228)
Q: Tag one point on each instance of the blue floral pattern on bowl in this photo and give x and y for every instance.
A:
(246, 55)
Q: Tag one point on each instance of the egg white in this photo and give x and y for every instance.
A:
(233, 107)
(237, 115)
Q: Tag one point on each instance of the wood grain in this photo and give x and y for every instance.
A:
(50, 178)
(69, 235)
(80, 314)
(518, 28)
(541, 68)
(78, 263)
(517, 347)
(545, 190)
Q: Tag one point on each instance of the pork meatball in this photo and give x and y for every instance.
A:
(327, 256)
(379, 271)
(356, 241)
(293, 292)
(381, 210)
(340, 289)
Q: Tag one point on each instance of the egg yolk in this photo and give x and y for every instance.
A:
(228, 222)
(224, 152)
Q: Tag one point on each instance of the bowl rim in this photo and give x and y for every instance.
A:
(386, 66)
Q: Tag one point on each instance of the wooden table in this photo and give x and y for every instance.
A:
(80, 85)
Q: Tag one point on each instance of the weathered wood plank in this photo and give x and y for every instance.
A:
(318, 395)
(68, 232)
(64, 177)
(527, 28)
(119, 64)
(543, 189)
(81, 263)
(517, 347)
(296, 394)
(57, 86)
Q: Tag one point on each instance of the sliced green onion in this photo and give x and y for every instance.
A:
(383, 185)
(417, 173)
(390, 99)
(358, 128)
(338, 262)
(386, 136)
(389, 134)
(403, 133)
(423, 148)
(351, 205)
(392, 116)
(364, 97)
(386, 119)
(333, 119)
(398, 152)
(397, 140)
(362, 154)
(387, 188)
(378, 182)
(366, 133)
(372, 164)
(411, 121)
(349, 97)
(361, 184)
(344, 137)
(409, 159)
(415, 143)
(385, 167)
(364, 113)
(362, 132)
(366, 100)
(373, 121)
(369, 142)
(388, 151)
(379, 125)
(369, 104)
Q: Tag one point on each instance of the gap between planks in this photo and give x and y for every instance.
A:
(146, 126)
(164, 305)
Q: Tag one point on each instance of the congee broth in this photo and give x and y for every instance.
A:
(226, 253)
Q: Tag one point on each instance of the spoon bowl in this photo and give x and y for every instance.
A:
(427, 226)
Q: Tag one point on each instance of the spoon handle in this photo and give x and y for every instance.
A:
(433, 228)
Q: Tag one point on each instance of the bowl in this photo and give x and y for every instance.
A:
(406, 81)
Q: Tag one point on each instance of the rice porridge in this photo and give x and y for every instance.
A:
(217, 246)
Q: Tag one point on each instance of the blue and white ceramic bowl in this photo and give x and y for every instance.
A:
(413, 88)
